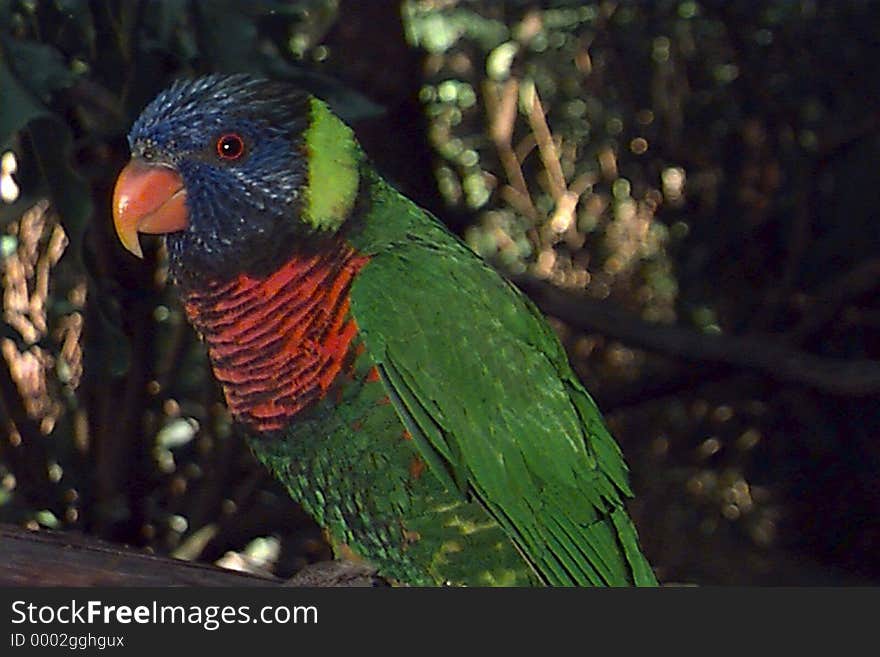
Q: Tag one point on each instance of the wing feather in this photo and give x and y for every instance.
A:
(480, 380)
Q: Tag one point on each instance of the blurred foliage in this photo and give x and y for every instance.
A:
(703, 164)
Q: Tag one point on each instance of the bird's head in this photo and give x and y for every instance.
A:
(234, 170)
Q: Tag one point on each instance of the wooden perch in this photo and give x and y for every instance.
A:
(857, 377)
(49, 558)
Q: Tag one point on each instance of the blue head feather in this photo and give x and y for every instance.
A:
(241, 211)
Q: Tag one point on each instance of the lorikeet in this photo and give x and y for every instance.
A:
(409, 398)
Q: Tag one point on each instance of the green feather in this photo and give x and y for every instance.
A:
(480, 380)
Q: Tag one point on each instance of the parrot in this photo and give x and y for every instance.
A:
(408, 396)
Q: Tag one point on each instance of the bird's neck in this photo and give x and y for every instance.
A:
(279, 342)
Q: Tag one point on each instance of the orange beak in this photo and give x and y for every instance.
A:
(148, 198)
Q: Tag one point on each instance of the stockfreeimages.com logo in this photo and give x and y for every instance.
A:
(210, 617)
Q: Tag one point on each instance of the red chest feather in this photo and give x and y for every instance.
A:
(278, 343)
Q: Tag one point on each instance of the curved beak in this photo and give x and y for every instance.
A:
(148, 198)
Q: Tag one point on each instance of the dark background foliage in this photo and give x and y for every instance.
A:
(687, 188)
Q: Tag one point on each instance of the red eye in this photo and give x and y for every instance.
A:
(230, 146)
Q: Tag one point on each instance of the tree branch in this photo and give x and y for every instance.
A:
(763, 354)
(48, 558)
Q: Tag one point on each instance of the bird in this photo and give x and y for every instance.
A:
(407, 395)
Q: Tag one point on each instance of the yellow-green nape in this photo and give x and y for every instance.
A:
(333, 160)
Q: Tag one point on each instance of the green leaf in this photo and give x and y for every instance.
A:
(48, 144)
(29, 74)
(227, 35)
(38, 66)
(18, 106)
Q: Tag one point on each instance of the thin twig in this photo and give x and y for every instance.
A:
(501, 112)
(547, 148)
(29, 461)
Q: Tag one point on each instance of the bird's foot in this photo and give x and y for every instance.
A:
(337, 573)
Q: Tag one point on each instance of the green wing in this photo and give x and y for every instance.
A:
(485, 388)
